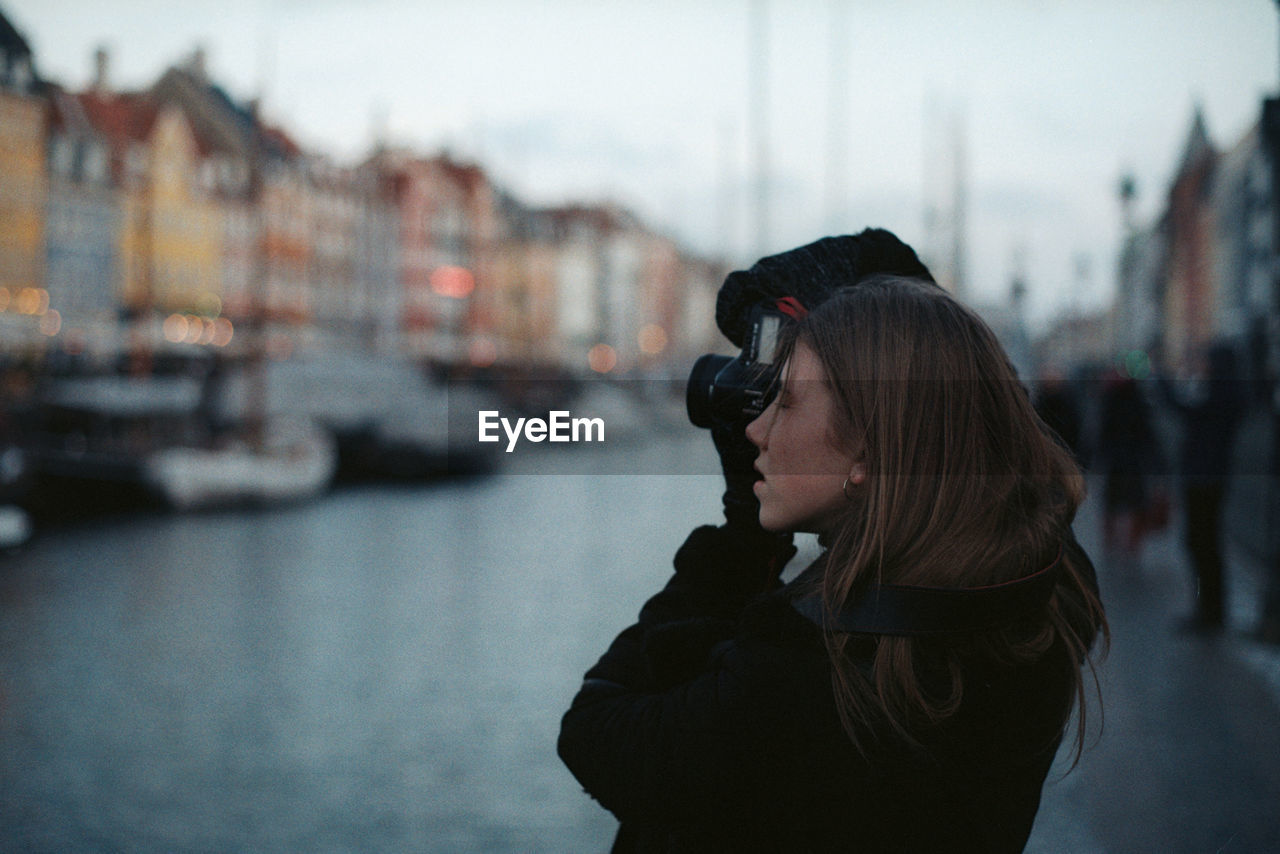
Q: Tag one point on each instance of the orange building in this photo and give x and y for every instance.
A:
(520, 297)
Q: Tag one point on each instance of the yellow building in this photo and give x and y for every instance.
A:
(22, 196)
(171, 232)
(186, 251)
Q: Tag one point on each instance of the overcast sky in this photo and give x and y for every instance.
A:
(649, 102)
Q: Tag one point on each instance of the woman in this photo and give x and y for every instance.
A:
(866, 705)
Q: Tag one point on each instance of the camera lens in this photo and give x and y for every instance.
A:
(698, 394)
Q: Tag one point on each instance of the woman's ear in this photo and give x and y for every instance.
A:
(858, 473)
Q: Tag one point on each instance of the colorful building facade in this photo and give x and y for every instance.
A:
(22, 182)
(120, 211)
(1190, 292)
(449, 233)
(169, 236)
(185, 250)
(1202, 271)
(83, 216)
(380, 301)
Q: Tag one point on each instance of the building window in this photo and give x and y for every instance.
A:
(136, 162)
(95, 163)
(62, 156)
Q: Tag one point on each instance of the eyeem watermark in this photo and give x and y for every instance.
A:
(559, 427)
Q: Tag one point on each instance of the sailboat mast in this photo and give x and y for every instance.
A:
(255, 366)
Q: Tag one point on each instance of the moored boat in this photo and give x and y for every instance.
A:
(164, 435)
(295, 461)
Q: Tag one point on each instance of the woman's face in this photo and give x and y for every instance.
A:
(803, 472)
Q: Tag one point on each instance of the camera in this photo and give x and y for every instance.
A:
(730, 391)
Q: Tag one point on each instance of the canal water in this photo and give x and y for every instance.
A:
(380, 670)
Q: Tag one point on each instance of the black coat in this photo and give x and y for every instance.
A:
(1209, 426)
(710, 725)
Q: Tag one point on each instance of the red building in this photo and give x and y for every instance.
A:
(448, 263)
(1190, 290)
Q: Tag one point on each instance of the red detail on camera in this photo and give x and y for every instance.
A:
(791, 307)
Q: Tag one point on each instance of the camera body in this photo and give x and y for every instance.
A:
(732, 391)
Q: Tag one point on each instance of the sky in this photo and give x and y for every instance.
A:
(660, 105)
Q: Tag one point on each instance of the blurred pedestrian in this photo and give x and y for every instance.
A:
(909, 689)
(1058, 407)
(1210, 406)
(1129, 456)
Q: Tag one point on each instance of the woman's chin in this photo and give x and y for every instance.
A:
(770, 522)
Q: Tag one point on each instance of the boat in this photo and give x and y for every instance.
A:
(164, 435)
(391, 420)
(296, 461)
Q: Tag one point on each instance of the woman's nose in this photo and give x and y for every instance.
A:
(758, 429)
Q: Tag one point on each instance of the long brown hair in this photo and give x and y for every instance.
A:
(965, 487)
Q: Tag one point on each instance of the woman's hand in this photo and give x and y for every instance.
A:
(737, 458)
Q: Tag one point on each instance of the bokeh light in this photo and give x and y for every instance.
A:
(1137, 364)
(223, 332)
(454, 282)
(51, 322)
(652, 339)
(174, 328)
(195, 329)
(602, 358)
(32, 301)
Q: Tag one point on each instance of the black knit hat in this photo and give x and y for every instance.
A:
(811, 273)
